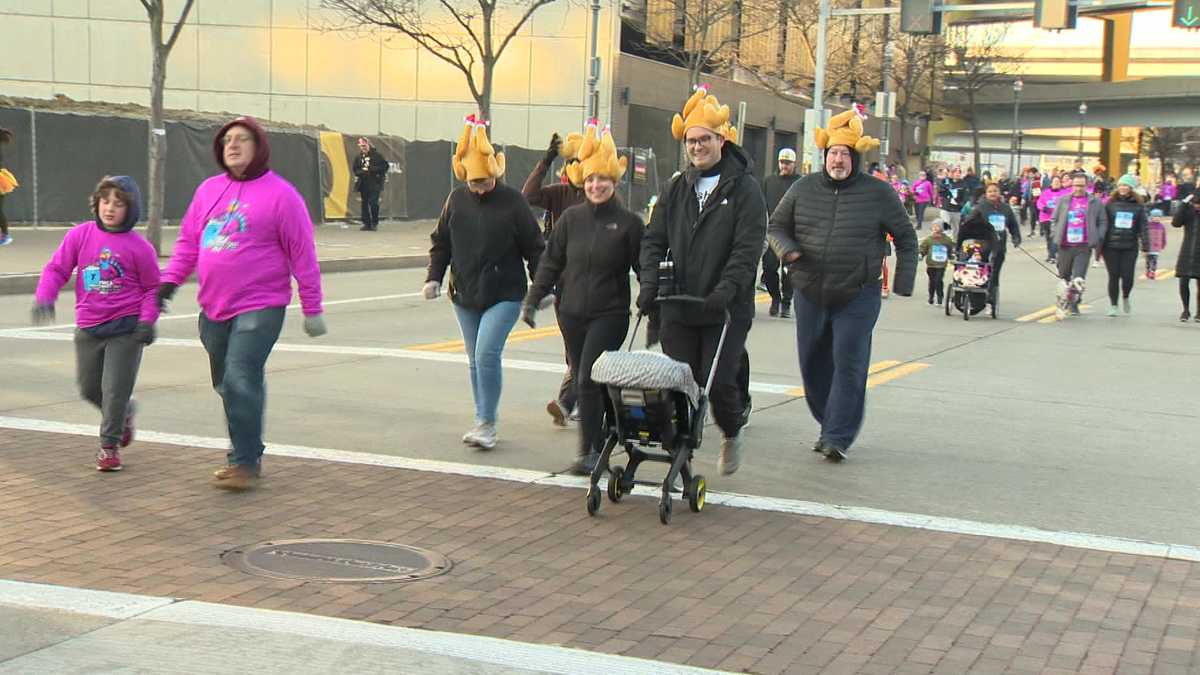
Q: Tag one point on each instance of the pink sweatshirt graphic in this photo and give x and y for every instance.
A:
(116, 275)
(1048, 200)
(246, 240)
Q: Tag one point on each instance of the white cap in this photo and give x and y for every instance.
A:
(787, 155)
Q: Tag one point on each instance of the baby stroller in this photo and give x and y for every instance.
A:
(971, 282)
(657, 414)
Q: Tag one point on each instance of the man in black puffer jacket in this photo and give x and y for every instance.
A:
(831, 229)
(710, 221)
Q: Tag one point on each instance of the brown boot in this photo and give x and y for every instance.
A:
(235, 477)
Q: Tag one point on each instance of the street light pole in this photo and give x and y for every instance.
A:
(1082, 112)
(1014, 160)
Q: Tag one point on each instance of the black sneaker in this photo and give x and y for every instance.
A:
(835, 454)
(1185, 317)
(785, 312)
(585, 464)
(818, 447)
(774, 311)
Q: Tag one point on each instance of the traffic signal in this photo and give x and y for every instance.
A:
(918, 17)
(1054, 14)
(1186, 14)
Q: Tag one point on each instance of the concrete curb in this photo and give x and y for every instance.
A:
(20, 284)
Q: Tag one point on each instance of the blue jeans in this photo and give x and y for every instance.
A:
(237, 357)
(484, 333)
(834, 344)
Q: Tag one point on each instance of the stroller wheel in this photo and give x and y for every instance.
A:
(664, 511)
(593, 500)
(697, 491)
(615, 492)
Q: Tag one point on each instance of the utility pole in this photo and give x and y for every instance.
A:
(885, 83)
(594, 78)
(816, 116)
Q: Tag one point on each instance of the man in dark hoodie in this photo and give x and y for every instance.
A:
(710, 222)
(370, 172)
(831, 229)
(774, 274)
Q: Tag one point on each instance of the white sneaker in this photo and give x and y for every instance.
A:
(469, 437)
(731, 455)
(6, 240)
(482, 436)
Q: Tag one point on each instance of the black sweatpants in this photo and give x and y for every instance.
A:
(1121, 265)
(696, 346)
(937, 283)
(587, 339)
(370, 209)
(775, 278)
(997, 264)
(1185, 295)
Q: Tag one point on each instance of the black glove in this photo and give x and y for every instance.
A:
(552, 151)
(144, 333)
(43, 315)
(647, 299)
(717, 301)
(529, 315)
(166, 291)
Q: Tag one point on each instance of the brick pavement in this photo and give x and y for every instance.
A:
(735, 589)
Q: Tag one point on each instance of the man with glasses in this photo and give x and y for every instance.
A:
(831, 230)
(710, 221)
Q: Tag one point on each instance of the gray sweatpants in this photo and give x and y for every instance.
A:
(1073, 262)
(106, 369)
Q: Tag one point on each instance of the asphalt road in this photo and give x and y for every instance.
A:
(1084, 425)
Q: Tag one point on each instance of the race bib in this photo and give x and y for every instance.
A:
(997, 221)
(954, 193)
(1124, 221)
(1075, 225)
(1037, 192)
(938, 253)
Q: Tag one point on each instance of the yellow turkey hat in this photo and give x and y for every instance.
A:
(602, 159)
(702, 110)
(845, 129)
(474, 157)
(576, 144)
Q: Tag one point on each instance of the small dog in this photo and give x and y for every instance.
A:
(1069, 295)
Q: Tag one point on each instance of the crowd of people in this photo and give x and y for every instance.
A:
(823, 241)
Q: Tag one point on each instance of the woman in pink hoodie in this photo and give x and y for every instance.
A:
(116, 277)
(1045, 204)
(246, 234)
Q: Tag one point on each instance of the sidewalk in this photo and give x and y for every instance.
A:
(730, 588)
(398, 244)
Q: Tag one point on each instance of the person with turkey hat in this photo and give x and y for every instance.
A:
(710, 221)
(485, 233)
(589, 256)
(246, 234)
(774, 274)
(555, 199)
(831, 229)
(997, 213)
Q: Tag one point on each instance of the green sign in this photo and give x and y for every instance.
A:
(1186, 14)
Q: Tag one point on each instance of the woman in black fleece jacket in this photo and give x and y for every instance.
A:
(592, 249)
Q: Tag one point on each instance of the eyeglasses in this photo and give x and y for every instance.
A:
(700, 140)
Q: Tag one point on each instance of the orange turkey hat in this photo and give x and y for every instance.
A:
(474, 157)
(702, 110)
(845, 129)
(601, 159)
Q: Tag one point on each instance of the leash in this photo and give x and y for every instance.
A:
(1051, 272)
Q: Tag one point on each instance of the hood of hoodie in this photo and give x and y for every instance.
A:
(133, 210)
(734, 162)
(855, 167)
(260, 164)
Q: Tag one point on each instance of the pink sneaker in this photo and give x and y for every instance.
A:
(108, 459)
(127, 434)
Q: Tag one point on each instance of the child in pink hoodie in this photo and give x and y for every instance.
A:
(116, 280)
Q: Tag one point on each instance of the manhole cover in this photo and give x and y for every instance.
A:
(337, 560)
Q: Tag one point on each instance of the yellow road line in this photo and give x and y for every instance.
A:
(760, 298)
(1033, 316)
(452, 346)
(876, 367)
(1165, 274)
(1054, 317)
(895, 374)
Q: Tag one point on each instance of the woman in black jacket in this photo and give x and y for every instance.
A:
(485, 233)
(1187, 267)
(1127, 233)
(593, 247)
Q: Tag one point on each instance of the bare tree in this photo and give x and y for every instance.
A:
(916, 57)
(470, 35)
(1172, 146)
(158, 135)
(977, 59)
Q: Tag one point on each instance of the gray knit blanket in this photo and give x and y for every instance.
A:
(646, 370)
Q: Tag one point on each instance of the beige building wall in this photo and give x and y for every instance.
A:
(277, 60)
